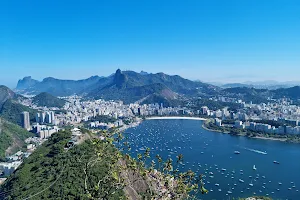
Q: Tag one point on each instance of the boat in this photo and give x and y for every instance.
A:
(236, 152)
(241, 180)
(275, 162)
(217, 184)
(254, 168)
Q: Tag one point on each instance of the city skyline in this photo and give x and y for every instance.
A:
(217, 41)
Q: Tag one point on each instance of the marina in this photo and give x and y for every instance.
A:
(251, 172)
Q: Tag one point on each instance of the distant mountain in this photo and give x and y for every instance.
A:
(48, 100)
(292, 93)
(57, 87)
(234, 85)
(270, 85)
(262, 95)
(5, 94)
(11, 138)
(26, 82)
(128, 86)
(122, 88)
(248, 94)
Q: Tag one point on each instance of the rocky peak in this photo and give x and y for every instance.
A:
(120, 79)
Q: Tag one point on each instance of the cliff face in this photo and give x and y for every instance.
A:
(5, 94)
(26, 82)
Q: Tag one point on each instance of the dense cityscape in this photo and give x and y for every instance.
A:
(78, 112)
(150, 100)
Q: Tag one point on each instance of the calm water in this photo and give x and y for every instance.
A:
(206, 152)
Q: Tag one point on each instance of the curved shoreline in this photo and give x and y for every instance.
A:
(212, 130)
(256, 137)
(175, 117)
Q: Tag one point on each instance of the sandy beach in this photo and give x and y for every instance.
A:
(175, 117)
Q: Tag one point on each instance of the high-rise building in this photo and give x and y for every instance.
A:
(52, 116)
(25, 120)
(43, 116)
(48, 118)
(37, 117)
(204, 110)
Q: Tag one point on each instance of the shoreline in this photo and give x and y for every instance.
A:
(256, 137)
(270, 138)
(176, 117)
(204, 127)
(212, 130)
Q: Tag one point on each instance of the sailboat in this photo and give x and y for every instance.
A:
(251, 184)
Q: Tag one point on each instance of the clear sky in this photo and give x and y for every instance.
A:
(209, 40)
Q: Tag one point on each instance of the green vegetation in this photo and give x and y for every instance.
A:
(12, 136)
(249, 94)
(214, 105)
(11, 111)
(5, 94)
(95, 169)
(103, 119)
(48, 100)
(54, 173)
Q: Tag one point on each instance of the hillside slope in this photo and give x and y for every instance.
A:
(11, 111)
(11, 138)
(5, 94)
(48, 100)
(54, 173)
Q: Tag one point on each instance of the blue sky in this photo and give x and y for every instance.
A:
(213, 40)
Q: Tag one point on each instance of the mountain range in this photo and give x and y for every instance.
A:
(143, 87)
(271, 85)
(128, 86)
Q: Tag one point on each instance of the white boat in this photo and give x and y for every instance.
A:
(236, 152)
(254, 168)
(241, 180)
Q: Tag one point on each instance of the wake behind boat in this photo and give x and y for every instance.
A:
(257, 151)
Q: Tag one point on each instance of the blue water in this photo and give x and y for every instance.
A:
(205, 151)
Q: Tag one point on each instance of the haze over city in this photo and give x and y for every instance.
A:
(150, 99)
(224, 41)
